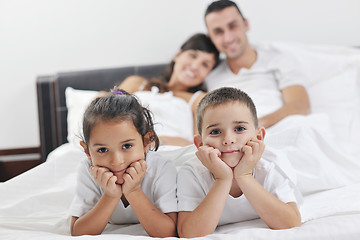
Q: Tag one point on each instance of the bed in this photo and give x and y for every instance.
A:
(34, 205)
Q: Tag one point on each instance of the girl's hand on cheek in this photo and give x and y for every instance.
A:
(253, 151)
(210, 158)
(133, 177)
(107, 181)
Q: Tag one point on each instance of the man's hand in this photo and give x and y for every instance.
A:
(133, 177)
(107, 181)
(210, 158)
(253, 151)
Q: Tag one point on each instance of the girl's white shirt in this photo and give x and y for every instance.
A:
(159, 185)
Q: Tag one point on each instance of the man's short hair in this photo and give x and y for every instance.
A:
(220, 5)
(221, 96)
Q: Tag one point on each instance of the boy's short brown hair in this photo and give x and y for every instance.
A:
(221, 96)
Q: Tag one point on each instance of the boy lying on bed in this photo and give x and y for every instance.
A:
(233, 181)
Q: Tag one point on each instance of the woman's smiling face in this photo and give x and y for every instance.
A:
(191, 67)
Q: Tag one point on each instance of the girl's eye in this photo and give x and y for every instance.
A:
(205, 65)
(126, 146)
(239, 129)
(215, 132)
(102, 150)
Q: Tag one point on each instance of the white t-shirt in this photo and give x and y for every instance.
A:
(195, 182)
(172, 115)
(159, 185)
(272, 71)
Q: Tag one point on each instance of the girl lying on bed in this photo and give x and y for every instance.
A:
(115, 184)
(182, 78)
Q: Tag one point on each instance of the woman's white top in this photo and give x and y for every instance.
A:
(172, 115)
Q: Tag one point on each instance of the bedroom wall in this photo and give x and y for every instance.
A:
(43, 37)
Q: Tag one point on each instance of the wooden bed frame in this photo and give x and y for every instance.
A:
(51, 97)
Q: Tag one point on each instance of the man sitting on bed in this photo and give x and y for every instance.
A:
(270, 77)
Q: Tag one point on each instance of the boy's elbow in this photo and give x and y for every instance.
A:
(191, 234)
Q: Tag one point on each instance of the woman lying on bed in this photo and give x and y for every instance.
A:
(175, 93)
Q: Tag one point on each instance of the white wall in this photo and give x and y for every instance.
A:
(47, 36)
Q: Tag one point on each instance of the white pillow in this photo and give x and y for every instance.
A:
(172, 115)
(76, 104)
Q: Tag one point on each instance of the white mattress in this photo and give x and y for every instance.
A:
(34, 205)
(323, 149)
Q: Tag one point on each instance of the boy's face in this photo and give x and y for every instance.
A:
(228, 127)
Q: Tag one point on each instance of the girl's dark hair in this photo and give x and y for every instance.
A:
(198, 41)
(119, 105)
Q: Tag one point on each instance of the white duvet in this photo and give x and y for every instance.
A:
(323, 148)
(35, 205)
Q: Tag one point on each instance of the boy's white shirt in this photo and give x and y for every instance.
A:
(273, 172)
(159, 185)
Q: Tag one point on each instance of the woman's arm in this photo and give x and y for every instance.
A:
(194, 109)
(132, 83)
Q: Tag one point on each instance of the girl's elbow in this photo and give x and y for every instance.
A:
(287, 225)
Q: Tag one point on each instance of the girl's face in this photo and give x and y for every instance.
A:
(115, 145)
(191, 67)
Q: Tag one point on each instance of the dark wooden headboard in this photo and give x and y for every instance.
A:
(51, 97)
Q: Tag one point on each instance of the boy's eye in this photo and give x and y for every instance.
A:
(239, 129)
(192, 55)
(126, 146)
(215, 132)
(102, 150)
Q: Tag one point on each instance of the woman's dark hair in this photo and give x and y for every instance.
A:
(119, 105)
(199, 42)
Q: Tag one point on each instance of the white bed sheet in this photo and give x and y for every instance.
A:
(36, 204)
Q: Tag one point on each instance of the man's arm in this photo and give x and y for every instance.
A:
(296, 101)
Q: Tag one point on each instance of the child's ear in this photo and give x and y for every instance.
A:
(86, 149)
(147, 141)
(198, 141)
(261, 133)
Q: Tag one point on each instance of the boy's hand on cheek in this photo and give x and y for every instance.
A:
(210, 158)
(107, 181)
(253, 151)
(133, 177)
